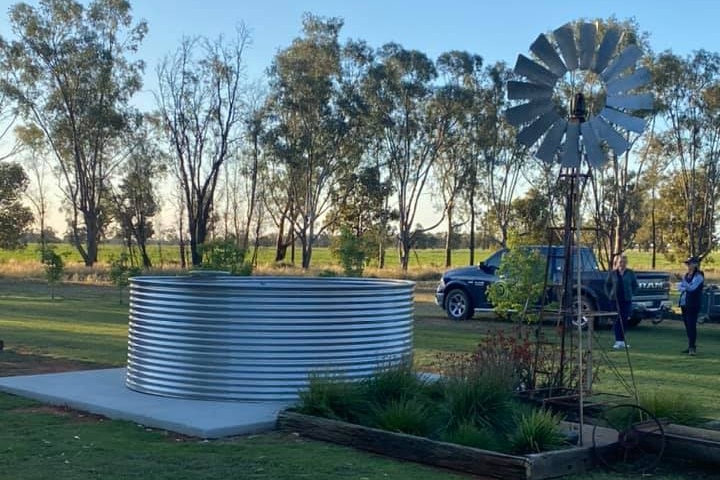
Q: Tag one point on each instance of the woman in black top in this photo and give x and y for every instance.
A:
(691, 288)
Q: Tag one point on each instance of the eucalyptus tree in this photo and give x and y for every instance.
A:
(688, 92)
(310, 132)
(239, 188)
(650, 234)
(135, 201)
(71, 76)
(531, 215)
(15, 217)
(456, 168)
(34, 158)
(410, 128)
(616, 188)
(363, 211)
(502, 159)
(200, 103)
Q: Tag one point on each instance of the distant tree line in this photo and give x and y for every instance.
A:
(343, 141)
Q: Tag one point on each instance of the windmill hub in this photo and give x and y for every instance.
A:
(578, 108)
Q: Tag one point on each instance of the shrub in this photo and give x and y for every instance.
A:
(536, 432)
(677, 408)
(406, 415)
(351, 251)
(224, 255)
(121, 271)
(332, 397)
(523, 281)
(54, 267)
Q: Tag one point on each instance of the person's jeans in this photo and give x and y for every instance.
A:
(621, 323)
(689, 317)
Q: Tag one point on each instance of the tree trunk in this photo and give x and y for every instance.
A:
(91, 239)
(404, 251)
(253, 192)
(280, 245)
(448, 239)
(306, 253)
(472, 229)
(147, 263)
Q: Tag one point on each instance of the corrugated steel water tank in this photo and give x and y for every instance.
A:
(220, 337)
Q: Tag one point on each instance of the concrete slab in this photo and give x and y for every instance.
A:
(103, 392)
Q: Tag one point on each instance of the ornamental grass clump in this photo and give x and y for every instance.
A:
(394, 383)
(674, 407)
(332, 396)
(410, 415)
(471, 435)
(482, 400)
(535, 432)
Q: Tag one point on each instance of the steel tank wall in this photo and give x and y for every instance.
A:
(258, 338)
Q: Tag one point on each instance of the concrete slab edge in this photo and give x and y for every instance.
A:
(143, 420)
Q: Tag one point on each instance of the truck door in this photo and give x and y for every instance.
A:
(489, 268)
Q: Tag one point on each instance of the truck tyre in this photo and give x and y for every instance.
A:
(457, 305)
(634, 321)
(588, 306)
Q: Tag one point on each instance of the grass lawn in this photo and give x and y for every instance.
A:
(87, 328)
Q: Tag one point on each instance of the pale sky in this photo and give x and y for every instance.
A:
(497, 30)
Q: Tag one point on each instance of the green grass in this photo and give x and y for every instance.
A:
(87, 323)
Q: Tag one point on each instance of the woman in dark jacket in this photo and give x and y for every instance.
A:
(691, 288)
(620, 286)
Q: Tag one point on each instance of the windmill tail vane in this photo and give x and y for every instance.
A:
(570, 50)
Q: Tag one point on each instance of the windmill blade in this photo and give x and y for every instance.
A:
(571, 155)
(551, 142)
(638, 78)
(606, 132)
(641, 101)
(547, 54)
(534, 72)
(587, 45)
(622, 62)
(628, 122)
(528, 112)
(595, 155)
(566, 42)
(530, 91)
(532, 132)
(606, 50)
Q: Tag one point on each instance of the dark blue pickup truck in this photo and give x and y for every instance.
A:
(462, 291)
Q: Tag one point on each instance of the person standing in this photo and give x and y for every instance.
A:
(620, 286)
(691, 288)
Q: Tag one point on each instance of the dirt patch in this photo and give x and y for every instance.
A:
(13, 363)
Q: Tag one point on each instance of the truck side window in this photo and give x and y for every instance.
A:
(493, 261)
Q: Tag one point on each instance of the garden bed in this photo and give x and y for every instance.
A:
(689, 443)
(482, 463)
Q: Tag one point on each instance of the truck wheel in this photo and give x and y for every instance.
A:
(634, 320)
(458, 305)
(588, 306)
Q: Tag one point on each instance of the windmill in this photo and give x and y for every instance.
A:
(574, 136)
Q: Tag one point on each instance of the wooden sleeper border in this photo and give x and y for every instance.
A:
(483, 463)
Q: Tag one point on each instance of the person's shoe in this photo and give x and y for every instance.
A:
(691, 352)
(620, 346)
(687, 350)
